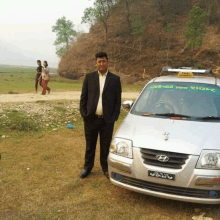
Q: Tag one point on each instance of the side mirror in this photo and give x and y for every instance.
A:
(127, 104)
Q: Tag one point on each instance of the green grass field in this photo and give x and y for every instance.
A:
(18, 80)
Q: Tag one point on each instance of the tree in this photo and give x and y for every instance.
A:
(195, 28)
(100, 12)
(161, 6)
(103, 8)
(168, 29)
(90, 16)
(65, 34)
(138, 26)
(128, 14)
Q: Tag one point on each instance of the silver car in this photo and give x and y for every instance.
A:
(169, 143)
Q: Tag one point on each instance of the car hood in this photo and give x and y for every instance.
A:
(188, 137)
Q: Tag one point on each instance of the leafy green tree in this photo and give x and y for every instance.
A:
(195, 29)
(99, 12)
(65, 34)
(90, 16)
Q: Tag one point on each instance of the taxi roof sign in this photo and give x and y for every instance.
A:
(185, 75)
(190, 72)
(185, 69)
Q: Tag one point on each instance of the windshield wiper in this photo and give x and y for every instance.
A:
(209, 118)
(166, 114)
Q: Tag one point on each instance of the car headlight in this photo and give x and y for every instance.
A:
(122, 147)
(209, 159)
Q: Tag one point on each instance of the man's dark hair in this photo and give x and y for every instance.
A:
(101, 55)
(38, 61)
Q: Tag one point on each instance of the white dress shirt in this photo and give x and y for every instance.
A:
(43, 74)
(102, 78)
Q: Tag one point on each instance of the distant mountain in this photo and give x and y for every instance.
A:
(7, 56)
(12, 55)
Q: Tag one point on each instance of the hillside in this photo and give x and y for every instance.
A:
(137, 58)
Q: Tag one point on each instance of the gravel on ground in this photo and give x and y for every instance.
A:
(68, 95)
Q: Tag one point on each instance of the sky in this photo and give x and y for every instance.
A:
(26, 29)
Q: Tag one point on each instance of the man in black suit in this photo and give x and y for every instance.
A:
(100, 105)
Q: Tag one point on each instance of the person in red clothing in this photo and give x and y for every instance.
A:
(45, 78)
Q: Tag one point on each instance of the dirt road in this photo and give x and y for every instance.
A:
(69, 95)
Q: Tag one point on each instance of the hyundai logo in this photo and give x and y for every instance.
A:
(166, 136)
(162, 158)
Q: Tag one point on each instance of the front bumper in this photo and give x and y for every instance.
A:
(190, 185)
(207, 181)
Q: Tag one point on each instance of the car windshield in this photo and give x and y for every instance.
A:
(194, 100)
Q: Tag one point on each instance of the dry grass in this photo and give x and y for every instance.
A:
(52, 189)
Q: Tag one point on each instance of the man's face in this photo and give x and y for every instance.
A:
(38, 63)
(102, 65)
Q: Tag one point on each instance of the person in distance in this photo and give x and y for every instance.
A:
(45, 78)
(38, 75)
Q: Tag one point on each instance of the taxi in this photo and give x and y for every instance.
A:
(169, 143)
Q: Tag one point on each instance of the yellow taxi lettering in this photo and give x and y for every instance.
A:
(185, 75)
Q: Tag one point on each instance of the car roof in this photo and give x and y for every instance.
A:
(195, 79)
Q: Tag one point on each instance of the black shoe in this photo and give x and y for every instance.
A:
(85, 173)
(106, 174)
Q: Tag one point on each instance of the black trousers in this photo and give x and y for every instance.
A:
(36, 80)
(94, 128)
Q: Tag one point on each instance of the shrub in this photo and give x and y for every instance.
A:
(12, 92)
(138, 26)
(196, 27)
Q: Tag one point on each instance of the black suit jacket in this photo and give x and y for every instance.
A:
(111, 97)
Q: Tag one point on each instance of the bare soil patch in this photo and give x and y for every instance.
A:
(68, 95)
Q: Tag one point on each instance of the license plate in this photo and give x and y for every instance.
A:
(161, 175)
